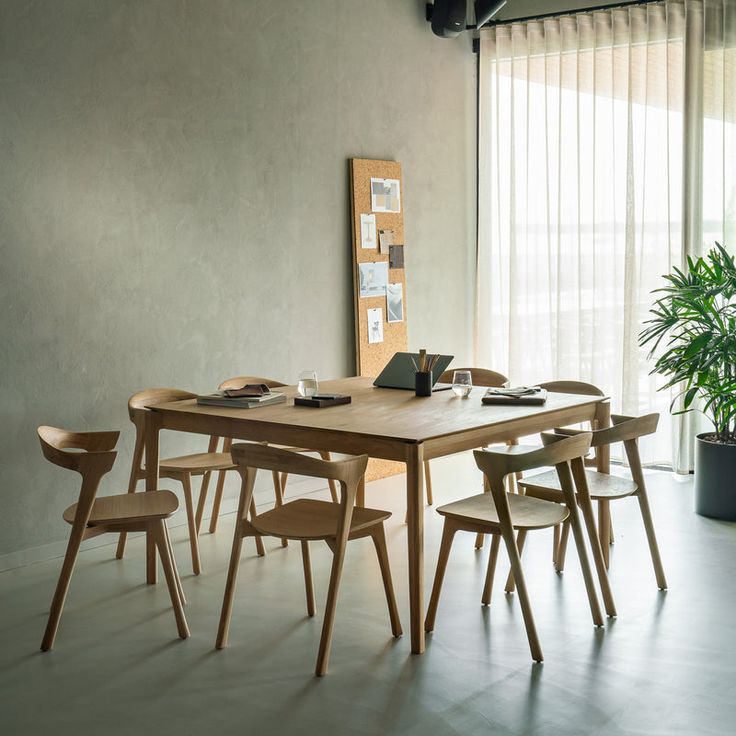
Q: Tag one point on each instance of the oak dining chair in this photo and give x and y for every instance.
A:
(605, 488)
(279, 480)
(181, 469)
(308, 520)
(579, 388)
(500, 513)
(92, 454)
(484, 378)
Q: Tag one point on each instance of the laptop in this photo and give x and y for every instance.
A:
(399, 372)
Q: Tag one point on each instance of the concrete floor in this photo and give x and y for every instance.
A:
(665, 666)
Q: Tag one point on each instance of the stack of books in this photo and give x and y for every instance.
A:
(528, 395)
(241, 402)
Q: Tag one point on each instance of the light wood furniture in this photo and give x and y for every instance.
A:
(600, 459)
(91, 516)
(279, 481)
(502, 512)
(308, 520)
(605, 488)
(383, 423)
(181, 469)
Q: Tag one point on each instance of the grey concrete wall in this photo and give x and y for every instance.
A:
(174, 206)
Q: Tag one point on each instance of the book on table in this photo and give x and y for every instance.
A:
(241, 402)
(522, 395)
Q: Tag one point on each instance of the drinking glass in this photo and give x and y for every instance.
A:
(307, 386)
(462, 383)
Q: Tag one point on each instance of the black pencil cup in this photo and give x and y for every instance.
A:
(423, 383)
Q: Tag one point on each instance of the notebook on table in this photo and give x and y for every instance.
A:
(520, 396)
(241, 402)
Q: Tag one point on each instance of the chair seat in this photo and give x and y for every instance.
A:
(600, 485)
(311, 519)
(526, 513)
(202, 462)
(128, 508)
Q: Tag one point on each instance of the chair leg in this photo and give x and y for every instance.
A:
(151, 567)
(562, 547)
(203, 488)
(379, 540)
(308, 587)
(191, 521)
(480, 538)
(646, 516)
(62, 587)
(520, 539)
(331, 483)
(604, 524)
(173, 564)
(158, 531)
(555, 543)
(428, 483)
(577, 533)
(586, 508)
(526, 609)
(491, 570)
(278, 492)
(611, 536)
(260, 549)
(448, 534)
(217, 501)
(232, 577)
(283, 478)
(325, 644)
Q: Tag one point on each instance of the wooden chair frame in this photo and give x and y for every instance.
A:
(93, 464)
(627, 430)
(600, 456)
(279, 479)
(138, 413)
(483, 378)
(496, 466)
(249, 457)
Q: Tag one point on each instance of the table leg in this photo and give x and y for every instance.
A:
(603, 421)
(153, 426)
(415, 530)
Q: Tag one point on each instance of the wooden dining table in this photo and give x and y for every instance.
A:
(382, 423)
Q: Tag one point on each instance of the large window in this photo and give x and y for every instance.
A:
(607, 153)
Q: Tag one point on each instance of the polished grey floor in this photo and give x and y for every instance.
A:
(666, 665)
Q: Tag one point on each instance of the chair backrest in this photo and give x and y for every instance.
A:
(249, 457)
(497, 464)
(624, 429)
(579, 388)
(480, 376)
(240, 381)
(95, 459)
(138, 412)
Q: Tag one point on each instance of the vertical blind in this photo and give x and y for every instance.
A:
(607, 153)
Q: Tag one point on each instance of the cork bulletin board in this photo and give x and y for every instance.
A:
(371, 355)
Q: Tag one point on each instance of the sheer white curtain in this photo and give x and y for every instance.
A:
(607, 145)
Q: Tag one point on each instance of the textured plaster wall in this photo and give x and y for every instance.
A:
(174, 206)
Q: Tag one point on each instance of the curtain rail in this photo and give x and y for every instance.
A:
(561, 13)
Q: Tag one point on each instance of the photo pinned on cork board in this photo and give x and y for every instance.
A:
(373, 278)
(395, 302)
(386, 240)
(368, 231)
(375, 325)
(385, 195)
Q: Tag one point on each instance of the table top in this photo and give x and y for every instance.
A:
(384, 413)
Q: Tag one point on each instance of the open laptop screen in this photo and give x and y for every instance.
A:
(399, 371)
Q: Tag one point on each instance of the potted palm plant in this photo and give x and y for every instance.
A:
(694, 321)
